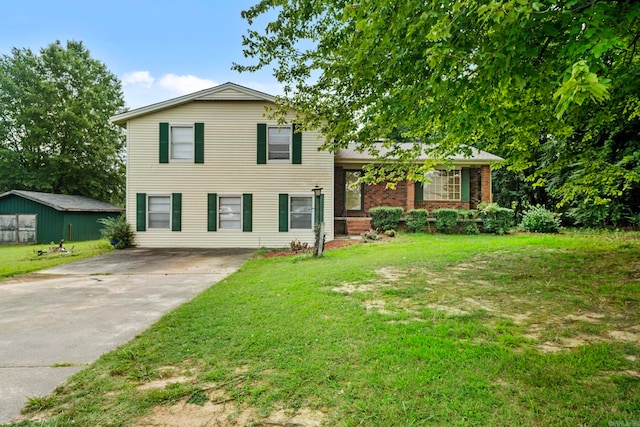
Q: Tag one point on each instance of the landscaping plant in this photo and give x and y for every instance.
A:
(416, 220)
(446, 220)
(385, 218)
(496, 220)
(538, 219)
(118, 231)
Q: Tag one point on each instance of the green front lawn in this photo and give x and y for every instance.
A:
(22, 259)
(423, 330)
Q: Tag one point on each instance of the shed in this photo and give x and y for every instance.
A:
(34, 217)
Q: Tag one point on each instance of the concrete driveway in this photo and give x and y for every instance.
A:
(67, 316)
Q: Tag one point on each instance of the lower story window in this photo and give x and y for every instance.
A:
(301, 209)
(230, 212)
(445, 185)
(353, 190)
(159, 211)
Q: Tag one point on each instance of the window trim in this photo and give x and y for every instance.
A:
(191, 159)
(312, 213)
(346, 171)
(425, 187)
(241, 212)
(149, 212)
(291, 130)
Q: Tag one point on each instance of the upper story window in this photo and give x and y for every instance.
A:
(445, 185)
(353, 190)
(181, 142)
(279, 143)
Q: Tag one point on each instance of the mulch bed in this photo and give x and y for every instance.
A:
(327, 246)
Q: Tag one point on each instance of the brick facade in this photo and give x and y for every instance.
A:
(356, 222)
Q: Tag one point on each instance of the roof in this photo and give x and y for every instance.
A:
(224, 92)
(351, 155)
(64, 202)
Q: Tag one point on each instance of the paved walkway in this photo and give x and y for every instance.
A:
(67, 316)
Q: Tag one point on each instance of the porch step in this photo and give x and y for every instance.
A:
(358, 225)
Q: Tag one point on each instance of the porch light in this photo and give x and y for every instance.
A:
(317, 190)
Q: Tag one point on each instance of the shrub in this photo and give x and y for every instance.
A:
(370, 236)
(385, 218)
(471, 229)
(496, 219)
(446, 219)
(416, 220)
(118, 231)
(538, 219)
(298, 246)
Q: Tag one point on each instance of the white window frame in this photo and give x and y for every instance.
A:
(219, 204)
(171, 143)
(437, 189)
(269, 159)
(311, 213)
(150, 212)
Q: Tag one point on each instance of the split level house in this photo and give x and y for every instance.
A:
(210, 169)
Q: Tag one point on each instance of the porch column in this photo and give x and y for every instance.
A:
(485, 184)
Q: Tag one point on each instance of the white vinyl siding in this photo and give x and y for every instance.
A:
(230, 213)
(159, 212)
(301, 213)
(279, 143)
(181, 142)
(230, 169)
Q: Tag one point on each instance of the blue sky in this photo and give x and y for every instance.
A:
(159, 49)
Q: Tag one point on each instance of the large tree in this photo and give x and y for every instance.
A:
(553, 86)
(55, 134)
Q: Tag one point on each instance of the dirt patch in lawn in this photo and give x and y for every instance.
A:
(553, 306)
(221, 411)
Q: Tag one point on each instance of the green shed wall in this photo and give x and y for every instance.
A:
(53, 225)
(83, 225)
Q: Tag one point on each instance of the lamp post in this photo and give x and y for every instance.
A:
(318, 227)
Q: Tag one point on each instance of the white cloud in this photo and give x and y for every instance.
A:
(182, 85)
(141, 78)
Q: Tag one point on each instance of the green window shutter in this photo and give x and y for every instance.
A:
(319, 212)
(283, 212)
(247, 212)
(141, 211)
(465, 186)
(199, 143)
(262, 143)
(419, 192)
(212, 212)
(296, 157)
(176, 212)
(164, 143)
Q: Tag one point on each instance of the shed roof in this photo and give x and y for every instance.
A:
(64, 202)
(350, 154)
(224, 92)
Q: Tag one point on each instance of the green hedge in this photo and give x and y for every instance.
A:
(495, 219)
(416, 220)
(446, 220)
(385, 218)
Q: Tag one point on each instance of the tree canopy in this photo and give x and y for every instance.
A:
(552, 86)
(55, 134)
